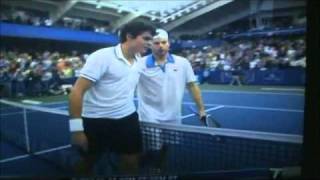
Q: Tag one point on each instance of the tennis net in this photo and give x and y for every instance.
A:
(189, 149)
(196, 149)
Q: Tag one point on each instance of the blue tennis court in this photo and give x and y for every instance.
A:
(275, 119)
(257, 111)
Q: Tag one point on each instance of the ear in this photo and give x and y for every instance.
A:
(129, 36)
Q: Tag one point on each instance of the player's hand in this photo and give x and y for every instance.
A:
(202, 113)
(203, 116)
(79, 140)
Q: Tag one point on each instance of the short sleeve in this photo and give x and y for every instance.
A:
(190, 77)
(95, 66)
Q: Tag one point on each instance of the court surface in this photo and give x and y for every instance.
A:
(271, 112)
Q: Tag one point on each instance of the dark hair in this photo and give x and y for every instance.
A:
(135, 29)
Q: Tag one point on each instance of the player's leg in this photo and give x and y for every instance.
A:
(127, 142)
(88, 158)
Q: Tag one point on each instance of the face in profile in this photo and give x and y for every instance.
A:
(141, 43)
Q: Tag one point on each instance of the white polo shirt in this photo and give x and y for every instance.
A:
(112, 93)
(160, 89)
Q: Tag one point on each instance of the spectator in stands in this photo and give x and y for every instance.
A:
(5, 80)
(55, 81)
(67, 71)
(236, 76)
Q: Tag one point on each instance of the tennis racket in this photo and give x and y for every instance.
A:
(208, 120)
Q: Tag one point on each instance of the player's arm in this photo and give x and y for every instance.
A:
(78, 137)
(76, 96)
(196, 94)
(92, 71)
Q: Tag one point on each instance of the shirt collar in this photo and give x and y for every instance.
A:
(119, 55)
(151, 62)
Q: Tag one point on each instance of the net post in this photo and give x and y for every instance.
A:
(25, 124)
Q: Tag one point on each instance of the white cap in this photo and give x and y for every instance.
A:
(161, 34)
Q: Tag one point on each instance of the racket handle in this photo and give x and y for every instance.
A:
(203, 119)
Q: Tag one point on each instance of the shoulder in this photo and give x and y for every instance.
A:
(103, 52)
(143, 60)
(180, 59)
(101, 55)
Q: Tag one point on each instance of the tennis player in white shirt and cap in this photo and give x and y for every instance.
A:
(162, 82)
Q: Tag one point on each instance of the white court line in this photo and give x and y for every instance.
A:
(250, 92)
(60, 107)
(250, 107)
(57, 102)
(36, 153)
(14, 158)
(208, 110)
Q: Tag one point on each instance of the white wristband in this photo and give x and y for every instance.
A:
(76, 124)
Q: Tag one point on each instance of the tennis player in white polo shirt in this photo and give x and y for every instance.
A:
(163, 79)
(102, 110)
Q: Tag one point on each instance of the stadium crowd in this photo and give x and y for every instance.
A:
(42, 73)
(36, 74)
(259, 53)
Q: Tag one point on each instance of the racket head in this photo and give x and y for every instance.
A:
(211, 122)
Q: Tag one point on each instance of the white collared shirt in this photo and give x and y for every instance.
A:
(113, 77)
(160, 89)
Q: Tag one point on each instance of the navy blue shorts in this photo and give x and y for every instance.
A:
(116, 135)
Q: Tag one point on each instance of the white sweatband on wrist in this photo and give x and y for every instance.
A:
(76, 124)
